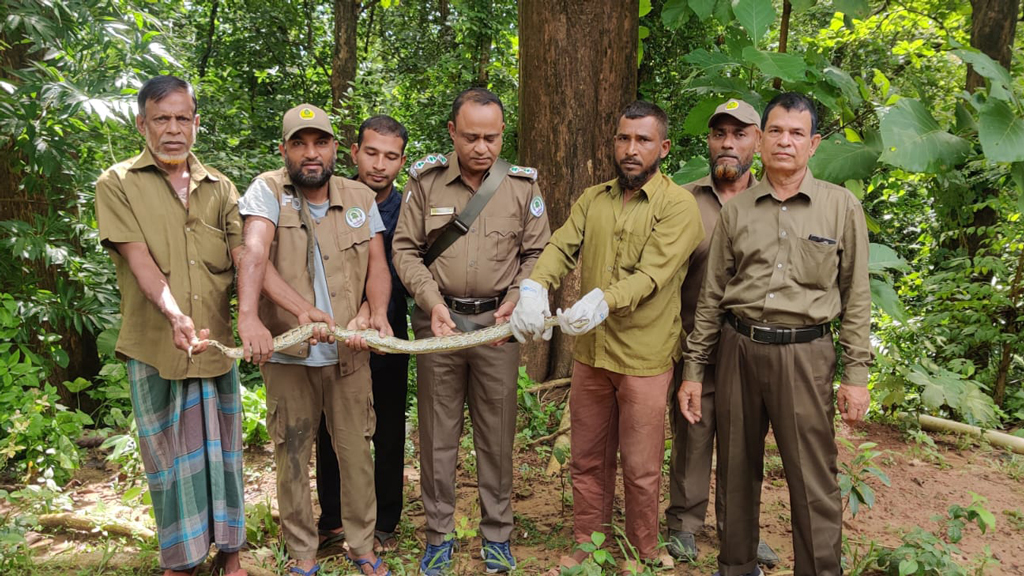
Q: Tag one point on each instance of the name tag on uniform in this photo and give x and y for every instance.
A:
(442, 211)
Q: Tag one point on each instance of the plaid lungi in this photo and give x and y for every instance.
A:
(190, 437)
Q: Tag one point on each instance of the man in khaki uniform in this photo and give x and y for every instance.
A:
(733, 138)
(172, 227)
(322, 236)
(631, 238)
(474, 283)
(788, 257)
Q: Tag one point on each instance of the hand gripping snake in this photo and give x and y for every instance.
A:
(390, 344)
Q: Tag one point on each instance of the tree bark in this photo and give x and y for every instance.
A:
(210, 33)
(993, 24)
(343, 67)
(787, 10)
(577, 71)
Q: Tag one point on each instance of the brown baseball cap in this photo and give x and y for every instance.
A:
(739, 110)
(305, 116)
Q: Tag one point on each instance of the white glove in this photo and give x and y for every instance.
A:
(585, 314)
(529, 314)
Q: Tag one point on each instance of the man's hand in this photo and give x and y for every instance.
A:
(689, 400)
(501, 316)
(853, 402)
(441, 321)
(529, 315)
(184, 333)
(584, 315)
(313, 314)
(257, 342)
(357, 343)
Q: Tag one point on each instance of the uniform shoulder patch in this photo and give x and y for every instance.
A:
(523, 172)
(426, 164)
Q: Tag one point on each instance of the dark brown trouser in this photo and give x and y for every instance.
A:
(690, 465)
(486, 377)
(789, 386)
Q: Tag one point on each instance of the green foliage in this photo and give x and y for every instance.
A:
(254, 416)
(915, 142)
(261, 529)
(853, 476)
(536, 419)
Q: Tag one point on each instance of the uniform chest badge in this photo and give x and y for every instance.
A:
(537, 206)
(296, 204)
(355, 217)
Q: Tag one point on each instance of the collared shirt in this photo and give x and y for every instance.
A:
(710, 204)
(636, 252)
(793, 263)
(497, 252)
(192, 247)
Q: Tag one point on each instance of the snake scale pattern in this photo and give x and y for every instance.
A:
(390, 344)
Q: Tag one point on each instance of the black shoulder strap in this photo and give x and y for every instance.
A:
(459, 225)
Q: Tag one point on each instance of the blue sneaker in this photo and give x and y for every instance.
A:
(497, 556)
(437, 559)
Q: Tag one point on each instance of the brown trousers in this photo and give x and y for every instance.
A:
(296, 397)
(614, 413)
(789, 386)
(690, 465)
(486, 376)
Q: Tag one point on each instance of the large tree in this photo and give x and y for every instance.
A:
(578, 69)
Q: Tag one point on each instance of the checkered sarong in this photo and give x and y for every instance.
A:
(190, 437)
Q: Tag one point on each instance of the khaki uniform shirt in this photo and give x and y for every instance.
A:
(192, 247)
(796, 263)
(499, 250)
(637, 254)
(710, 204)
(344, 240)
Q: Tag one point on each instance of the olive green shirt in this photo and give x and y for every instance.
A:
(637, 254)
(136, 203)
(796, 263)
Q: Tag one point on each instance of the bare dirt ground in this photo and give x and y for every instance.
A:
(925, 482)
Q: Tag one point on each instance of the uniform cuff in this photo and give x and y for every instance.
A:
(855, 376)
(512, 295)
(428, 301)
(693, 372)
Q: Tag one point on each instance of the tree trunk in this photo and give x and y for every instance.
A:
(343, 68)
(577, 71)
(483, 43)
(787, 10)
(210, 33)
(993, 24)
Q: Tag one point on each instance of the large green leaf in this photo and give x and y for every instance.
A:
(915, 142)
(711, 62)
(789, 67)
(696, 123)
(756, 17)
(694, 169)
(986, 67)
(702, 8)
(838, 160)
(675, 13)
(884, 296)
(801, 5)
(882, 257)
(1017, 173)
(723, 12)
(1001, 132)
(853, 8)
(645, 7)
(840, 79)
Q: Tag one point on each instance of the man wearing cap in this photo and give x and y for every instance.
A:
(788, 257)
(321, 235)
(489, 216)
(172, 227)
(632, 238)
(733, 138)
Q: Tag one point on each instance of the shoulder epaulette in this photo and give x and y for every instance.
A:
(426, 164)
(523, 172)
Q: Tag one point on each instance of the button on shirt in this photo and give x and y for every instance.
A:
(796, 263)
(192, 247)
(637, 254)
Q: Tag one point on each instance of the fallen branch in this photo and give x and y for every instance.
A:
(85, 524)
(556, 383)
(561, 444)
(1000, 439)
(542, 439)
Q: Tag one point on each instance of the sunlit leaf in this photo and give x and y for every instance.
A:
(756, 17)
(838, 160)
(789, 67)
(914, 141)
(1001, 132)
(675, 13)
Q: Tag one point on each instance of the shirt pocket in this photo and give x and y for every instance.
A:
(631, 247)
(815, 264)
(212, 245)
(501, 238)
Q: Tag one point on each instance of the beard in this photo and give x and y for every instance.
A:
(729, 172)
(304, 180)
(635, 181)
(154, 148)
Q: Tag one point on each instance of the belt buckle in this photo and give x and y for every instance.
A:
(476, 306)
(753, 331)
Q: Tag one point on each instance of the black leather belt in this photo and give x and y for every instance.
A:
(472, 305)
(771, 335)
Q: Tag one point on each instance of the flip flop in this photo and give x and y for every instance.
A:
(563, 562)
(373, 565)
(301, 572)
(385, 541)
(330, 539)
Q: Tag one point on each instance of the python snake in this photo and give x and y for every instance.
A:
(390, 344)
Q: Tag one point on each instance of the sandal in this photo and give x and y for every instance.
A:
(359, 562)
(384, 541)
(329, 538)
(563, 562)
(301, 572)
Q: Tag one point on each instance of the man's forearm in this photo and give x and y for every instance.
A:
(152, 282)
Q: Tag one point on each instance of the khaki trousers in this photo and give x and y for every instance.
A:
(690, 465)
(789, 386)
(485, 376)
(296, 398)
(614, 413)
